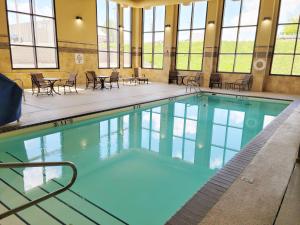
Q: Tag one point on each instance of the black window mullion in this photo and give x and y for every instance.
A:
(107, 35)
(238, 35)
(295, 47)
(153, 36)
(190, 41)
(33, 34)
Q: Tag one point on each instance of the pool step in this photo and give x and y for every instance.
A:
(13, 219)
(33, 215)
(69, 207)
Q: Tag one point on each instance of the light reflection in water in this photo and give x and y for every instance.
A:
(42, 149)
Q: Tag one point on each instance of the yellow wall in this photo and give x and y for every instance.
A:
(82, 38)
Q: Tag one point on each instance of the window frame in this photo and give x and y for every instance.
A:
(286, 54)
(34, 46)
(237, 39)
(153, 40)
(108, 40)
(190, 40)
(130, 32)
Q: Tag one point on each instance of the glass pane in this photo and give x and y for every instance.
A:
(185, 17)
(189, 151)
(127, 59)
(114, 59)
(243, 63)
(197, 41)
(234, 138)
(147, 43)
(155, 141)
(191, 129)
(236, 119)
(101, 13)
(147, 60)
(220, 116)
(127, 41)
(249, 14)
(286, 38)
(148, 19)
(183, 42)
(102, 39)
(158, 61)
(22, 57)
(199, 20)
(20, 29)
(196, 62)
(113, 15)
(178, 127)
(179, 109)
(127, 18)
(18, 5)
(44, 31)
(226, 63)
(192, 112)
(182, 61)
(231, 13)
(103, 59)
(289, 11)
(145, 139)
(228, 40)
(146, 120)
(177, 148)
(282, 64)
(159, 18)
(216, 158)
(156, 122)
(246, 40)
(159, 42)
(43, 7)
(298, 43)
(229, 155)
(46, 57)
(218, 135)
(296, 68)
(113, 40)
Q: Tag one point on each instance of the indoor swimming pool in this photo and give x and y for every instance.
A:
(134, 167)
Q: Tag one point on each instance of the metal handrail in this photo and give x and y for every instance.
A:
(45, 197)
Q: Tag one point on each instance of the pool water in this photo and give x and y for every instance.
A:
(140, 166)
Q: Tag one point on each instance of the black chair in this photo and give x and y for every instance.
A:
(91, 78)
(70, 82)
(114, 78)
(173, 76)
(215, 80)
(42, 86)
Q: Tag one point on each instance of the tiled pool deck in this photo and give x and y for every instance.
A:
(248, 190)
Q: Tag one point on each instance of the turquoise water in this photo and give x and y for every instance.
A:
(141, 166)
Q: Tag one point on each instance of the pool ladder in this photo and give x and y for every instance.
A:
(45, 197)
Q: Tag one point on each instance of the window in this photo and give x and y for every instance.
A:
(227, 135)
(238, 36)
(108, 34)
(151, 129)
(286, 56)
(127, 34)
(190, 36)
(153, 37)
(32, 34)
(184, 131)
